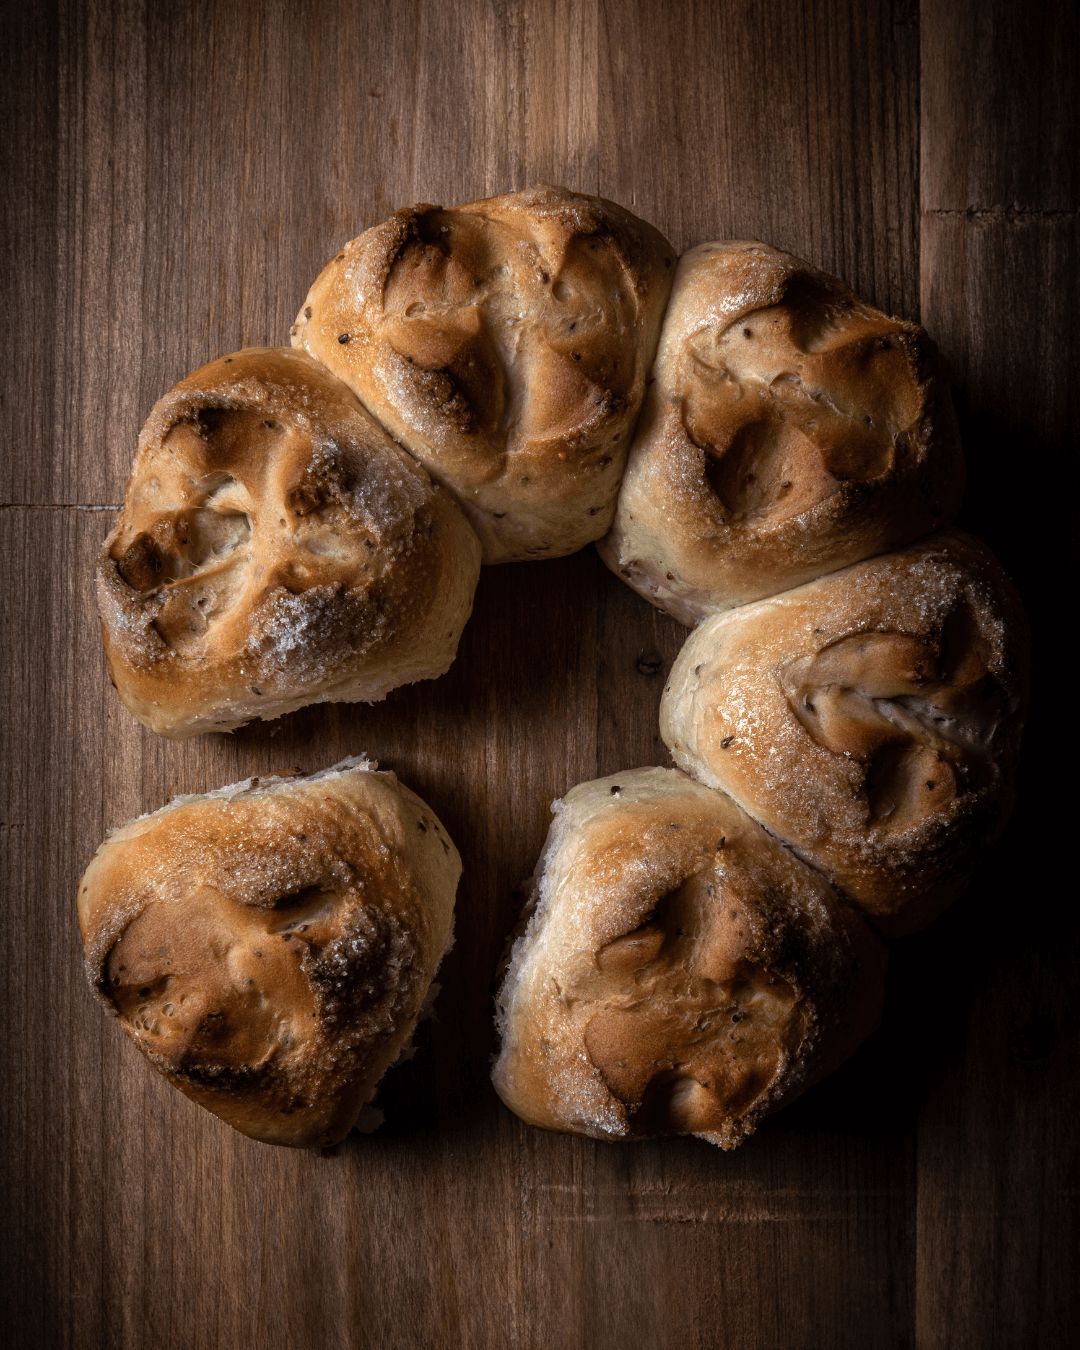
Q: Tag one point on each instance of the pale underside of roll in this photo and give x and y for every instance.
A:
(789, 430)
(506, 344)
(676, 971)
(269, 946)
(870, 719)
(276, 549)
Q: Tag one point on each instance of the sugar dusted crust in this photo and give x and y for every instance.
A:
(790, 430)
(276, 549)
(506, 344)
(269, 946)
(870, 719)
(678, 972)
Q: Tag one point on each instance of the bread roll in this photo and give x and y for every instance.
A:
(680, 972)
(276, 549)
(870, 719)
(506, 344)
(790, 430)
(268, 946)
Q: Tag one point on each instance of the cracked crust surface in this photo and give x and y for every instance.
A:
(790, 430)
(506, 344)
(870, 719)
(268, 946)
(678, 971)
(276, 549)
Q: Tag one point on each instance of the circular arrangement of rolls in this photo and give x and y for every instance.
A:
(756, 451)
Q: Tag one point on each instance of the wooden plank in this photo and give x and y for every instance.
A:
(999, 107)
(45, 813)
(796, 124)
(1000, 264)
(29, 114)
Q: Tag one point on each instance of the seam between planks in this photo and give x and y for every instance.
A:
(57, 506)
(1006, 213)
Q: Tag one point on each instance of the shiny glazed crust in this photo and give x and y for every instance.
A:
(268, 946)
(506, 344)
(870, 719)
(678, 971)
(790, 430)
(276, 549)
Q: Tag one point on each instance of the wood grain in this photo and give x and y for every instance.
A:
(793, 123)
(180, 172)
(1000, 262)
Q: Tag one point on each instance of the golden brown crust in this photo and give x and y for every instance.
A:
(268, 947)
(276, 549)
(505, 343)
(870, 719)
(681, 973)
(790, 430)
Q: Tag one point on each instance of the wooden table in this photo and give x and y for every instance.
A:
(180, 173)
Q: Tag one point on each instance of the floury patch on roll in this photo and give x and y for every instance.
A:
(790, 430)
(677, 970)
(870, 719)
(269, 946)
(506, 344)
(276, 549)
